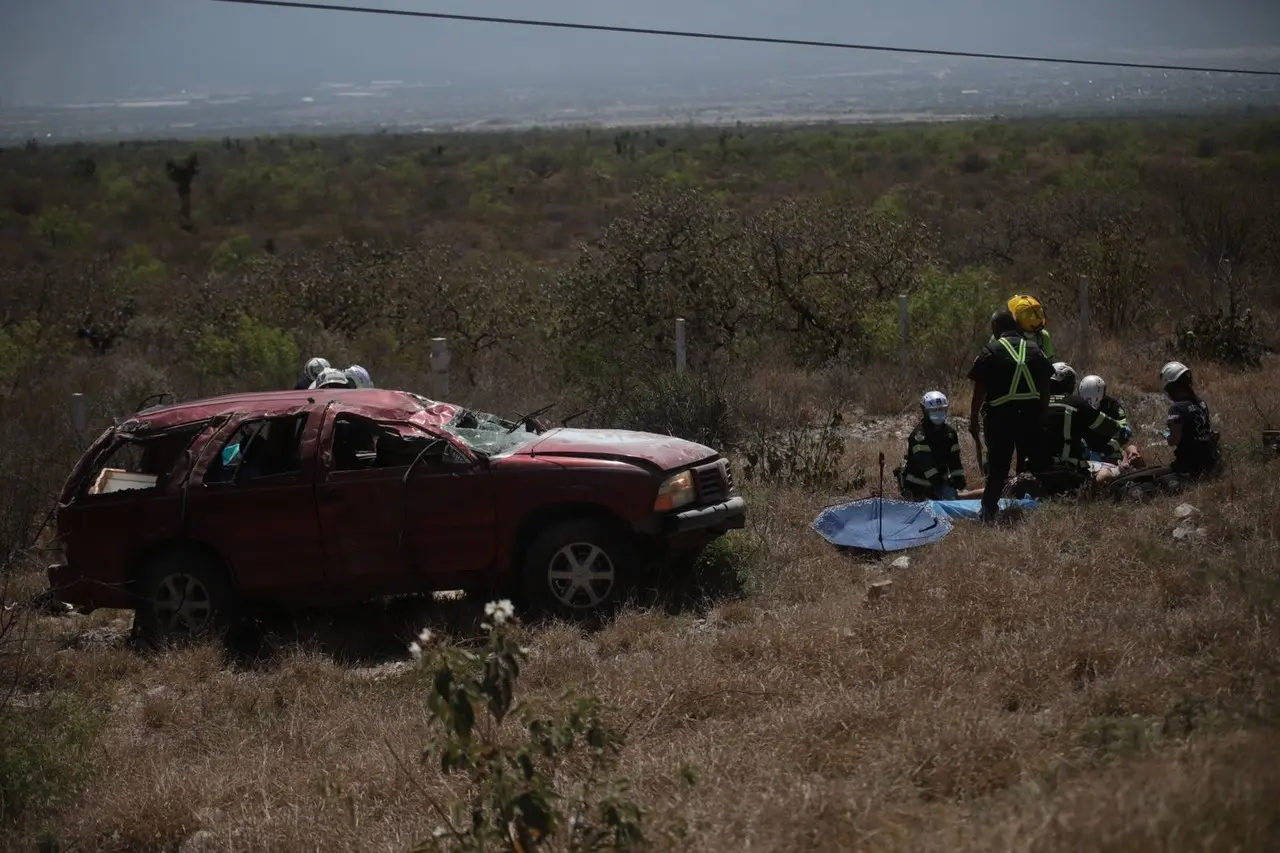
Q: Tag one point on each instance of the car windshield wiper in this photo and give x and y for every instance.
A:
(530, 418)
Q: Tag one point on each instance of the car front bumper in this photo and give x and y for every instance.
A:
(716, 518)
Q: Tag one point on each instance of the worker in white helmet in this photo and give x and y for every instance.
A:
(1122, 451)
(331, 378)
(359, 376)
(310, 373)
(1190, 432)
(1072, 424)
(932, 469)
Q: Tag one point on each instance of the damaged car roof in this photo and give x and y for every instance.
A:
(373, 403)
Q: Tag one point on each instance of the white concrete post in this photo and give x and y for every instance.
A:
(440, 367)
(1086, 322)
(80, 416)
(902, 330)
(681, 352)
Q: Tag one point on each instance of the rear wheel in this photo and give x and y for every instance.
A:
(577, 569)
(184, 596)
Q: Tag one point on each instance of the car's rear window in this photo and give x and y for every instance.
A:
(138, 463)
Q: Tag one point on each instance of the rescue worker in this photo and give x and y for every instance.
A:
(1195, 443)
(310, 373)
(1072, 423)
(1121, 451)
(1031, 318)
(932, 469)
(1011, 379)
(359, 376)
(331, 378)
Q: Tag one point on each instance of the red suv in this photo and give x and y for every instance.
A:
(187, 513)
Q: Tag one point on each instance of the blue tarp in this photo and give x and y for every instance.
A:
(861, 524)
(972, 509)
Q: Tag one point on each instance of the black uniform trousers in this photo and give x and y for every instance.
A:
(1011, 431)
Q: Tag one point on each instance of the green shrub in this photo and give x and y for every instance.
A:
(531, 779)
(43, 754)
(1220, 337)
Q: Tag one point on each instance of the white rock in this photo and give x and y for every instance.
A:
(1185, 511)
(903, 562)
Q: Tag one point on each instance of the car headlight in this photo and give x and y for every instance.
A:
(676, 491)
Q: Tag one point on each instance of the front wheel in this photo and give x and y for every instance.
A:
(576, 569)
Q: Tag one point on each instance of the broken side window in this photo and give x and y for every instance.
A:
(361, 444)
(260, 448)
(140, 463)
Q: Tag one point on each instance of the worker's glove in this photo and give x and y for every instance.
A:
(1164, 434)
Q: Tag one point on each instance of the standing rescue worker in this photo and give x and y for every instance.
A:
(1072, 424)
(932, 469)
(1011, 378)
(310, 373)
(1031, 318)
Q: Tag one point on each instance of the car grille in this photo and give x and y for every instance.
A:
(714, 482)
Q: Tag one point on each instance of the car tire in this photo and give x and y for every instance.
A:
(184, 596)
(576, 570)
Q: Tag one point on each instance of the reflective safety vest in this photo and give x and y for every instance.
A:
(1021, 374)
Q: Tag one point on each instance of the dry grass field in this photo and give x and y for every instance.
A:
(1080, 681)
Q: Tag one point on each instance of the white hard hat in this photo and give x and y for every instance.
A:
(1172, 372)
(331, 378)
(1093, 388)
(359, 376)
(935, 405)
(315, 367)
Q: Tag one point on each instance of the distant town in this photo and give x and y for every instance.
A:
(920, 90)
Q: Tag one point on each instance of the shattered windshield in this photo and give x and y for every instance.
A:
(486, 433)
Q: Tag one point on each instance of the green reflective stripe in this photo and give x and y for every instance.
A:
(955, 448)
(1020, 372)
(921, 448)
(931, 473)
(1098, 421)
(1067, 415)
(1045, 342)
(919, 481)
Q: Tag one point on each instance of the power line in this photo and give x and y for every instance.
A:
(565, 25)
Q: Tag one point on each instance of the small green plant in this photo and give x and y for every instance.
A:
(551, 787)
(807, 458)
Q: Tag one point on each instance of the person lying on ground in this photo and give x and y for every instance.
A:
(310, 373)
(932, 469)
(1010, 400)
(1072, 423)
(1122, 451)
(1190, 432)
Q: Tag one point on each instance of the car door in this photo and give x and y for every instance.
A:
(452, 518)
(252, 497)
(360, 501)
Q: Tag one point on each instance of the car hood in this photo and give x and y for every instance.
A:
(661, 451)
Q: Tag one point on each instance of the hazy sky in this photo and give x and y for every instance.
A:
(75, 49)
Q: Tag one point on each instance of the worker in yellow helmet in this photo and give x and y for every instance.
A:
(1030, 315)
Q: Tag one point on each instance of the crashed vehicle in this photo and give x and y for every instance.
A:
(191, 514)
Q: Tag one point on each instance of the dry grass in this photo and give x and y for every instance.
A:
(1080, 682)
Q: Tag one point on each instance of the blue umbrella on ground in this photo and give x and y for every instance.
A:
(880, 524)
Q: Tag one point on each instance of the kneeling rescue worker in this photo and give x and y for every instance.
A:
(1195, 442)
(1011, 377)
(932, 469)
(1072, 425)
(1121, 450)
